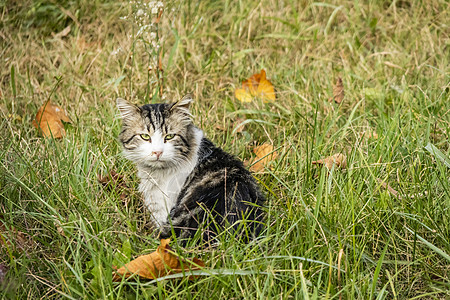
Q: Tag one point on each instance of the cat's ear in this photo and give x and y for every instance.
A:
(184, 103)
(126, 108)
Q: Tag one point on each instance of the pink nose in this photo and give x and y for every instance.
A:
(157, 153)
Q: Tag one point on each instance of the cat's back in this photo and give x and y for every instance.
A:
(221, 186)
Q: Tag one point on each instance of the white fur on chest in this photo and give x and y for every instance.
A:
(161, 189)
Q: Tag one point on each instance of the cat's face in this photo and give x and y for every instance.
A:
(157, 135)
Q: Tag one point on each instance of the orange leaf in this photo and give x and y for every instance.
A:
(264, 155)
(339, 159)
(256, 86)
(49, 119)
(157, 264)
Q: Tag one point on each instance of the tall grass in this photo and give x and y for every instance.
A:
(62, 232)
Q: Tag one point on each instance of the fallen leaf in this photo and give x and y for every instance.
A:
(338, 159)
(159, 263)
(264, 155)
(256, 86)
(115, 181)
(49, 119)
(338, 91)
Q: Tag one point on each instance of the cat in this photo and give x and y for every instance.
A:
(186, 181)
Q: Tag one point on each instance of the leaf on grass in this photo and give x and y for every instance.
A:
(264, 155)
(338, 91)
(49, 120)
(157, 264)
(114, 181)
(338, 159)
(256, 86)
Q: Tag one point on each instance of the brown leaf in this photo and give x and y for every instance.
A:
(339, 159)
(157, 264)
(264, 155)
(49, 120)
(338, 91)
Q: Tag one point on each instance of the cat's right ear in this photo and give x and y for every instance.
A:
(126, 108)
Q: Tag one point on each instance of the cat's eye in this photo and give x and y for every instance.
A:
(169, 137)
(145, 137)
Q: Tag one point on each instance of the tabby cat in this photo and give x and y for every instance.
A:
(187, 182)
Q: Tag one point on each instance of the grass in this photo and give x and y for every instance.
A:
(62, 231)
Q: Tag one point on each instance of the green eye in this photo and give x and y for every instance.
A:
(145, 137)
(169, 137)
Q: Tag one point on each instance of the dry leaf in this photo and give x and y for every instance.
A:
(157, 264)
(256, 86)
(339, 159)
(264, 155)
(49, 119)
(338, 91)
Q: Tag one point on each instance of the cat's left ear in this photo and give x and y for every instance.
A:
(184, 103)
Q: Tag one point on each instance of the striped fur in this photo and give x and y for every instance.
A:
(187, 182)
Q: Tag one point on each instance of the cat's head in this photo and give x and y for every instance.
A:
(158, 135)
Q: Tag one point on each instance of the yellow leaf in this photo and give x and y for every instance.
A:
(264, 155)
(256, 86)
(243, 95)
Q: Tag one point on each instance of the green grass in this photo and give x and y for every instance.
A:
(64, 231)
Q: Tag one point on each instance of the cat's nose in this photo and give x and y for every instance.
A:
(157, 153)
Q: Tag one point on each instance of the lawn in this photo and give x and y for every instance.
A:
(378, 228)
